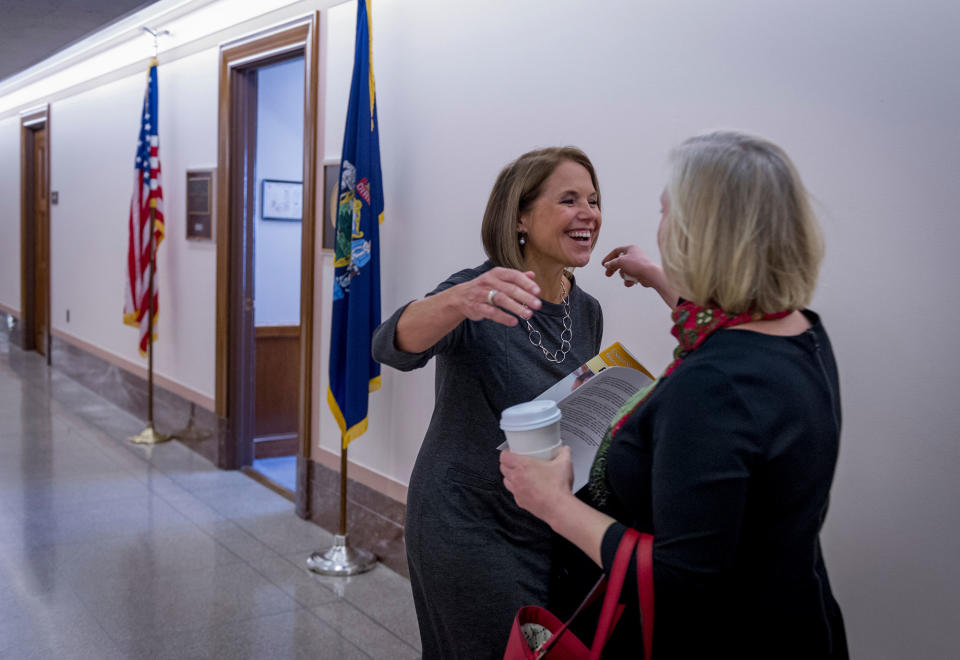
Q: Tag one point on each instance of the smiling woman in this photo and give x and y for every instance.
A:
(561, 226)
(474, 556)
(550, 192)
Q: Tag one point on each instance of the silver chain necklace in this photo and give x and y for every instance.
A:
(566, 335)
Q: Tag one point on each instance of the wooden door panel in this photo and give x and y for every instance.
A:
(277, 390)
(41, 243)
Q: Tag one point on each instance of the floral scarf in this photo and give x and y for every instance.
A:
(692, 325)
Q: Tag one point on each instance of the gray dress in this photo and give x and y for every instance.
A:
(474, 556)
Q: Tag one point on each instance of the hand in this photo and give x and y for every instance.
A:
(634, 266)
(538, 486)
(516, 292)
(637, 268)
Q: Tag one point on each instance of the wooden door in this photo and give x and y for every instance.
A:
(238, 452)
(277, 391)
(41, 242)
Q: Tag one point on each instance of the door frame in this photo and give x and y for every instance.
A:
(30, 121)
(236, 58)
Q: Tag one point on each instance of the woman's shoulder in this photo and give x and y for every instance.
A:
(580, 297)
(468, 274)
(701, 379)
(747, 361)
(462, 276)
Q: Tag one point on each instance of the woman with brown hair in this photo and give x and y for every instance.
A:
(727, 459)
(502, 333)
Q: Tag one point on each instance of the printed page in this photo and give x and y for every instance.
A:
(589, 397)
(615, 355)
(588, 411)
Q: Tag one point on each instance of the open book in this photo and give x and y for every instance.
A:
(589, 397)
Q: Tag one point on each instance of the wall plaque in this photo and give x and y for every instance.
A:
(200, 204)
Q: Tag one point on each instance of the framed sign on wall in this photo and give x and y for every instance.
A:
(281, 200)
(331, 185)
(201, 185)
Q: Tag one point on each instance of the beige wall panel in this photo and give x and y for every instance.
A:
(93, 142)
(10, 213)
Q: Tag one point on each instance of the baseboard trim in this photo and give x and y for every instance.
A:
(383, 484)
(15, 313)
(194, 425)
(173, 386)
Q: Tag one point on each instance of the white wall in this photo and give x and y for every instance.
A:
(863, 96)
(279, 156)
(10, 213)
(93, 136)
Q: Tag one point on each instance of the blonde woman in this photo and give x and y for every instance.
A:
(728, 459)
(502, 333)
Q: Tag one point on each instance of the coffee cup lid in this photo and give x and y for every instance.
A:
(530, 415)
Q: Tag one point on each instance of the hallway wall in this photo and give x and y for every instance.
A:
(10, 214)
(92, 147)
(861, 96)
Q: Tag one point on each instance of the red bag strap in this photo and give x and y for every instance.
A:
(591, 597)
(645, 591)
(618, 573)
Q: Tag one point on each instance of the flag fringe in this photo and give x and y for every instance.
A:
(358, 429)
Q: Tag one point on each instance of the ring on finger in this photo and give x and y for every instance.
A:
(490, 296)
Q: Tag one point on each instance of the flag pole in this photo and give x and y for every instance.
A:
(149, 435)
(342, 560)
(343, 491)
(356, 258)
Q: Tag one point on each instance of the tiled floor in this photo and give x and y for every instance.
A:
(112, 550)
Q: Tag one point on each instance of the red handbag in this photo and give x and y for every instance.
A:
(562, 644)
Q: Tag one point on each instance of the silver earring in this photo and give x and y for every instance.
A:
(523, 239)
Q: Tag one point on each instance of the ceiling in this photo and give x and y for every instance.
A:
(33, 30)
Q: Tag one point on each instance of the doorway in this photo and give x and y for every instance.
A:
(277, 232)
(265, 247)
(35, 230)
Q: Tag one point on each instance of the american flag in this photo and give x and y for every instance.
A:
(147, 193)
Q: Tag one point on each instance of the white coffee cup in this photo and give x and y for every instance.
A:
(533, 428)
(544, 454)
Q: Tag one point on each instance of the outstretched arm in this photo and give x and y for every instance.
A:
(425, 322)
(636, 267)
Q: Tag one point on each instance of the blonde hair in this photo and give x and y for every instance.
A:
(514, 192)
(739, 232)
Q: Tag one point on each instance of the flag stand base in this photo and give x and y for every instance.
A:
(149, 436)
(191, 433)
(341, 560)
